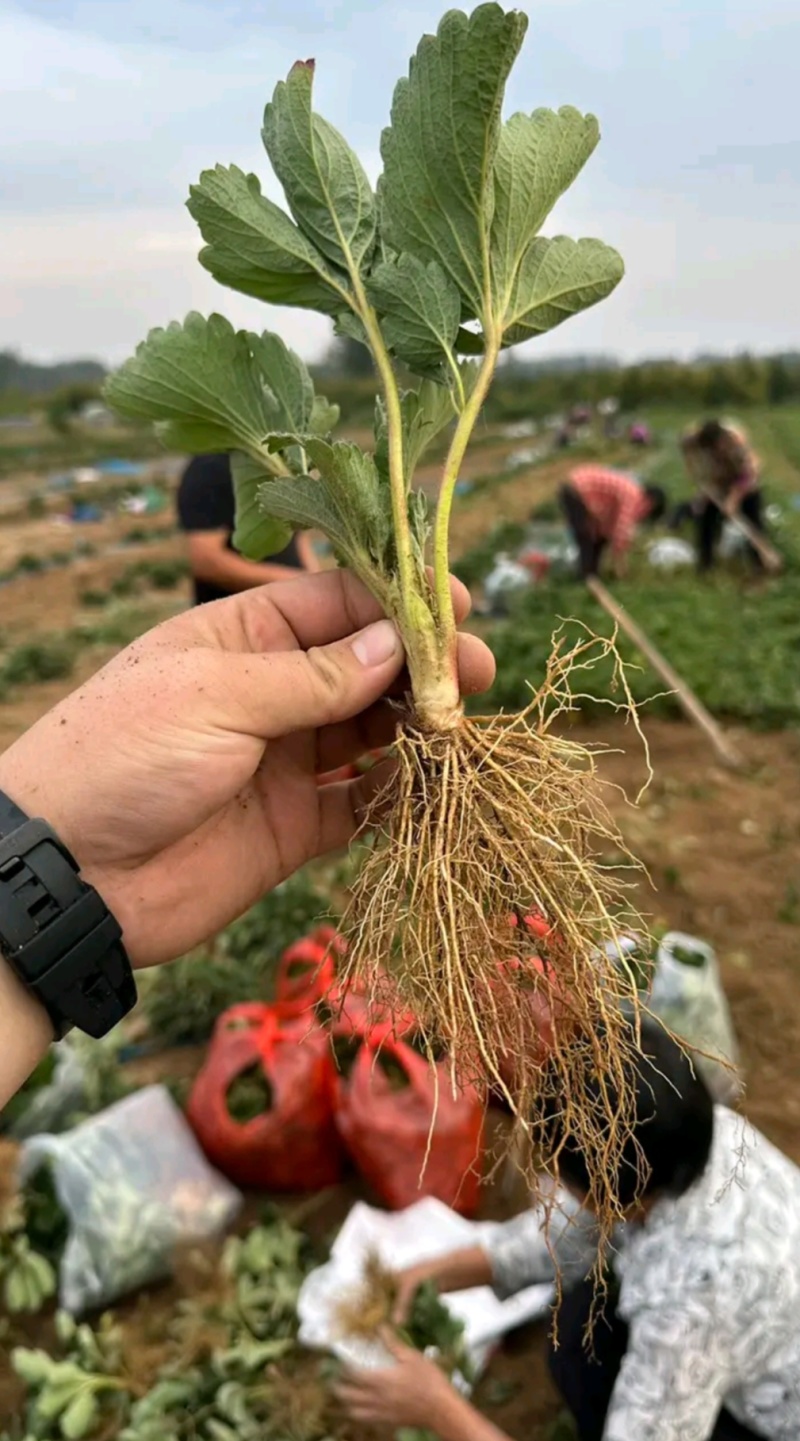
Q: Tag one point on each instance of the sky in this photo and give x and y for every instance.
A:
(109, 110)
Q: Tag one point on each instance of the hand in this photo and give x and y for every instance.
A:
(183, 775)
(408, 1283)
(412, 1392)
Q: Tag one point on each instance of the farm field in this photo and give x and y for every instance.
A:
(722, 849)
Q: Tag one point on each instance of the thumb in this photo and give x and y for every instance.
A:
(286, 691)
(391, 1342)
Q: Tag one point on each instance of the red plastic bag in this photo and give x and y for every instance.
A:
(384, 1110)
(293, 1145)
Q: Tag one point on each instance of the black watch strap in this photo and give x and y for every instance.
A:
(56, 932)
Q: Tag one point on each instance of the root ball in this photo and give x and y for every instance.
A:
(495, 821)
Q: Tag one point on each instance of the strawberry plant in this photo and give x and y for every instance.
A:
(437, 271)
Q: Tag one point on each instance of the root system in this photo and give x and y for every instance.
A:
(364, 1310)
(498, 819)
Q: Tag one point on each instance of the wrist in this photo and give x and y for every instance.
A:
(64, 961)
(26, 1032)
(451, 1415)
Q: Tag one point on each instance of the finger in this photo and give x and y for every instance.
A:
(402, 1308)
(344, 605)
(279, 694)
(316, 609)
(476, 664)
(375, 728)
(393, 1344)
(345, 806)
(340, 745)
(357, 1408)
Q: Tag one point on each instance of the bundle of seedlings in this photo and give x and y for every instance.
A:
(437, 272)
(366, 1310)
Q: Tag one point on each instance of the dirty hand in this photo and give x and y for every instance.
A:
(183, 775)
(412, 1392)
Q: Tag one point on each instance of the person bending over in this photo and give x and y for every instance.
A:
(721, 461)
(206, 513)
(603, 508)
(698, 1335)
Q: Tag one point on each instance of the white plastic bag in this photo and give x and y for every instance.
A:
(506, 579)
(670, 553)
(51, 1106)
(401, 1239)
(134, 1185)
(687, 995)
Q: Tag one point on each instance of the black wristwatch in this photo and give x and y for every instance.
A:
(56, 933)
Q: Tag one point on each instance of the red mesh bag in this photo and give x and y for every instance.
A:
(532, 987)
(384, 1109)
(293, 1144)
(306, 972)
(348, 1013)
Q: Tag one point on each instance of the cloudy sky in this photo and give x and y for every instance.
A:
(110, 108)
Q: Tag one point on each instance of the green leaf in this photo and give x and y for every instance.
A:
(32, 1366)
(256, 534)
(199, 381)
(538, 158)
(558, 278)
(252, 245)
(346, 323)
(352, 479)
(324, 182)
(324, 416)
(80, 1416)
(420, 309)
(59, 1393)
(287, 379)
(303, 503)
(219, 1431)
(349, 502)
(436, 195)
(425, 414)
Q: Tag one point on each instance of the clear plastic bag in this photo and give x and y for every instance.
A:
(49, 1106)
(134, 1185)
(687, 995)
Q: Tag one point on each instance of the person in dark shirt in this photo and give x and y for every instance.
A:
(206, 513)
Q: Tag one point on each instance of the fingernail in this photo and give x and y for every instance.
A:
(377, 644)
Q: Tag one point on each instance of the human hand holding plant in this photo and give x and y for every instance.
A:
(436, 272)
(183, 775)
(411, 1392)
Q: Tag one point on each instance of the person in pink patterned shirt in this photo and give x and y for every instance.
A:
(603, 508)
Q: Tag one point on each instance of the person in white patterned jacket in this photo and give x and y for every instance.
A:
(699, 1339)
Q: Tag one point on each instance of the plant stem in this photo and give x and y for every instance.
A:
(394, 425)
(430, 655)
(452, 466)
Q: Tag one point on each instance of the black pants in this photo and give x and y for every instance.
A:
(710, 521)
(590, 546)
(586, 1378)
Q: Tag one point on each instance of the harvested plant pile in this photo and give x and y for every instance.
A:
(437, 272)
